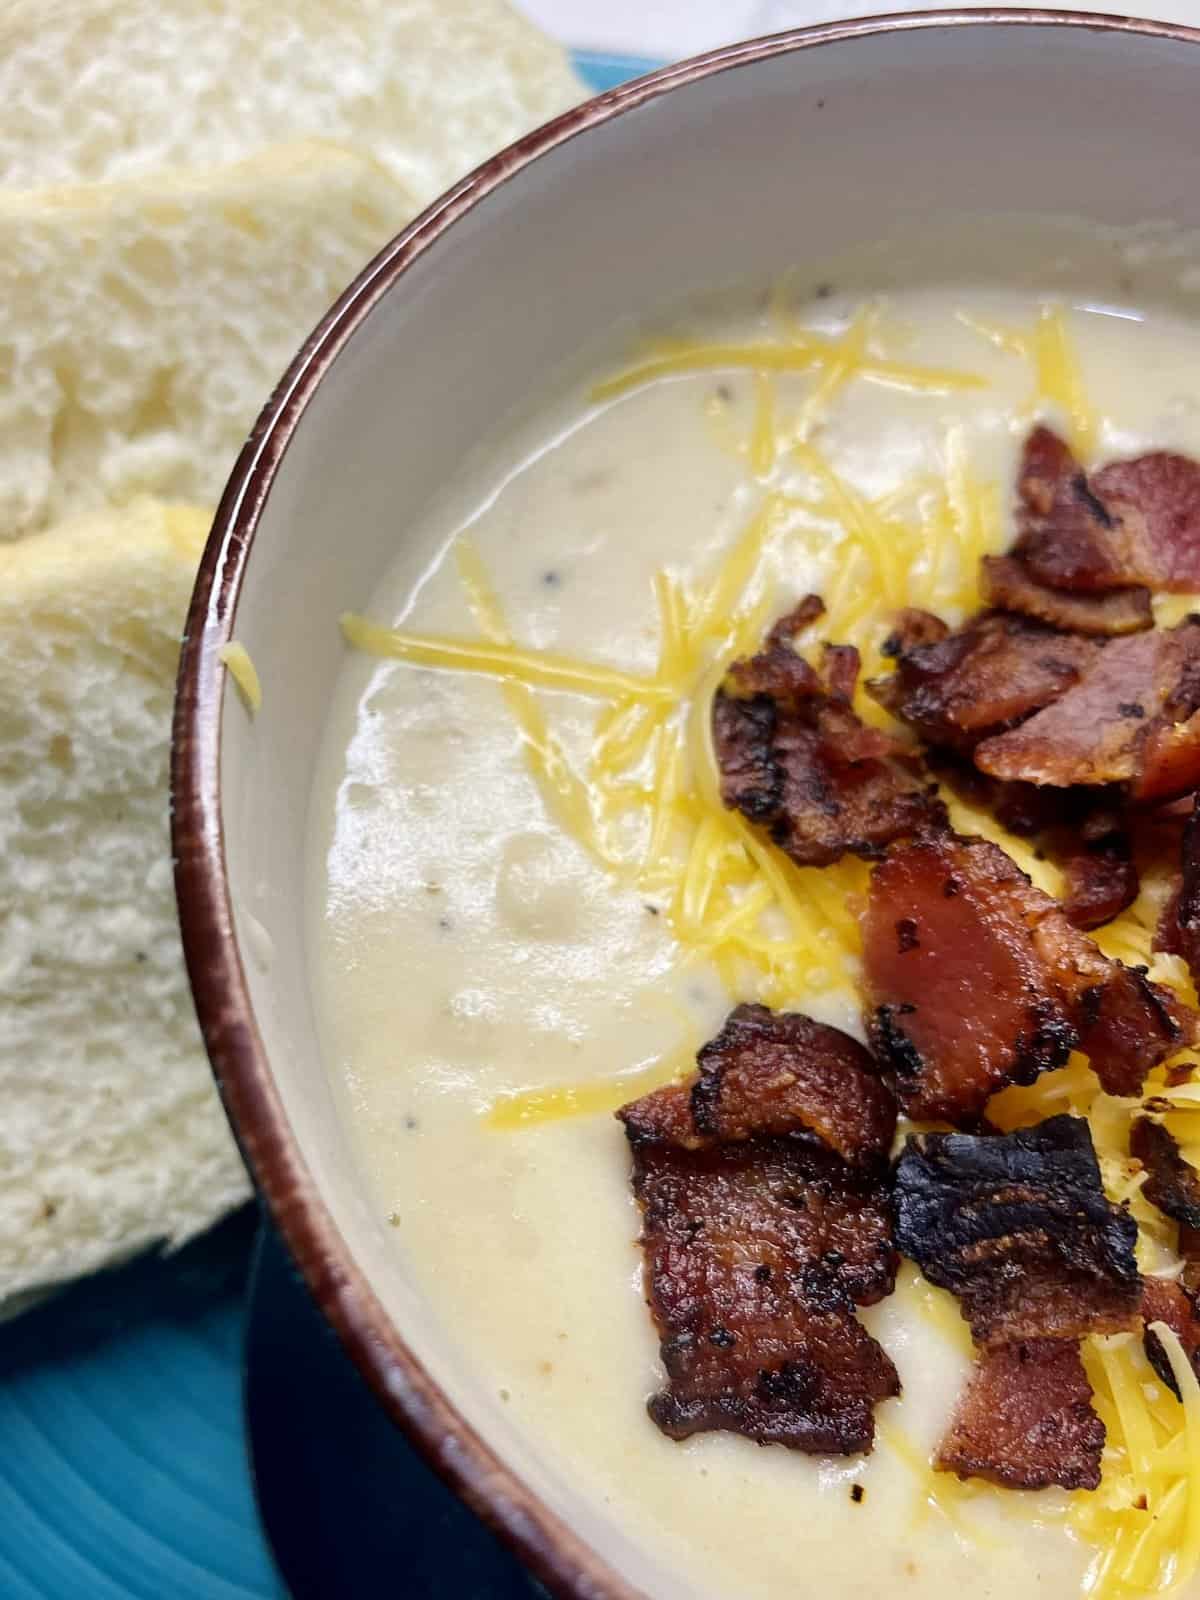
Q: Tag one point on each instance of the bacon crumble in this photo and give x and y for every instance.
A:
(1017, 1226)
(994, 986)
(772, 1072)
(796, 759)
(759, 1241)
(1099, 884)
(1172, 1183)
(1132, 523)
(981, 679)
(1130, 719)
(1008, 585)
(1178, 931)
(1175, 1305)
(1025, 1420)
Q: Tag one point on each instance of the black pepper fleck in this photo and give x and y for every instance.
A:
(653, 910)
(722, 1338)
(551, 578)
(950, 888)
(906, 935)
(762, 1273)
(410, 1122)
(823, 290)
(857, 1493)
(1131, 708)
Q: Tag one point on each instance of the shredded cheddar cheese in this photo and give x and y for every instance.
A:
(235, 658)
(536, 669)
(534, 1106)
(1058, 384)
(803, 352)
(646, 805)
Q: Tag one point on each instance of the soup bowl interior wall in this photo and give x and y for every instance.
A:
(783, 156)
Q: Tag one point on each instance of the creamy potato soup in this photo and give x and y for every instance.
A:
(528, 905)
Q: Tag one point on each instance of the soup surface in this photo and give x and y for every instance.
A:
(517, 922)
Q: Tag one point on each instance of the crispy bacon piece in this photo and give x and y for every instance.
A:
(959, 1005)
(756, 1253)
(779, 670)
(1067, 536)
(1018, 1227)
(1128, 720)
(1090, 840)
(664, 1116)
(1026, 1420)
(983, 678)
(794, 757)
(1133, 522)
(1172, 1303)
(1178, 930)
(1173, 1184)
(1022, 808)
(975, 979)
(1008, 585)
(912, 628)
(1155, 502)
(773, 1073)
(1100, 884)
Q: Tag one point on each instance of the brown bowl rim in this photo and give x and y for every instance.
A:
(551, 1550)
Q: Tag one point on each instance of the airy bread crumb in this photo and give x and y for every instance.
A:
(112, 1138)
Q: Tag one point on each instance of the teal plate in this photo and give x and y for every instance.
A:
(122, 1463)
(123, 1471)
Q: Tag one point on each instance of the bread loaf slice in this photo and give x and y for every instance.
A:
(96, 90)
(143, 324)
(112, 1137)
(185, 187)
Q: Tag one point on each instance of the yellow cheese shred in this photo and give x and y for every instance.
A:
(1145, 1518)
(645, 803)
(1060, 380)
(537, 669)
(1058, 384)
(235, 658)
(564, 796)
(529, 1107)
(803, 352)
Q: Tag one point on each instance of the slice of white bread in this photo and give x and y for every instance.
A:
(185, 186)
(111, 1137)
(143, 324)
(94, 90)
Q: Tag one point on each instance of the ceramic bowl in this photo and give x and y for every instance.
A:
(724, 168)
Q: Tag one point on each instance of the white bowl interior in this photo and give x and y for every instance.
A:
(793, 159)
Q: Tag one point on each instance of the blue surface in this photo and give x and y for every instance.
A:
(123, 1471)
(122, 1465)
(602, 71)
